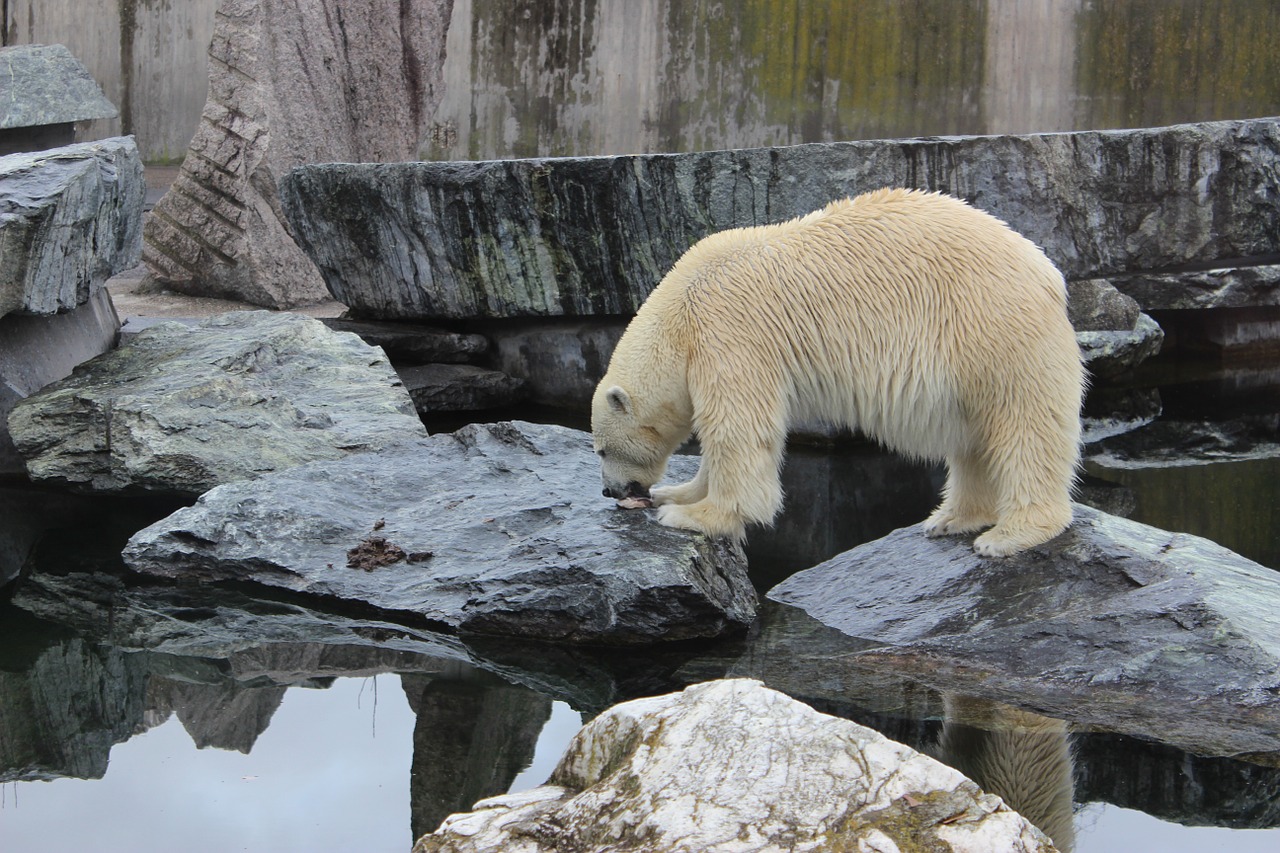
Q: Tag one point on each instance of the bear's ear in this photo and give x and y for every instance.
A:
(619, 400)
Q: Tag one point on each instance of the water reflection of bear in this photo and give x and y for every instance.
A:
(1022, 757)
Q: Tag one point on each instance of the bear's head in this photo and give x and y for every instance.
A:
(633, 440)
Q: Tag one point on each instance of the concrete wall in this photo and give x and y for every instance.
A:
(573, 77)
(149, 56)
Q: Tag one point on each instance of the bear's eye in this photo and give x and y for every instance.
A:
(601, 453)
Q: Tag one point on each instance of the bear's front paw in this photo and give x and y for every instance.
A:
(676, 515)
(701, 517)
(946, 522)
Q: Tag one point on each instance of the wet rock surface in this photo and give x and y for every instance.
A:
(1115, 623)
(771, 774)
(590, 236)
(1113, 352)
(521, 542)
(183, 408)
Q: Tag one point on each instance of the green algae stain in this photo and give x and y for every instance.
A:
(1149, 62)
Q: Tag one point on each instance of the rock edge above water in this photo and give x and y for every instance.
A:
(502, 531)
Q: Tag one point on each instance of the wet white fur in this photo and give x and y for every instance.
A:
(923, 322)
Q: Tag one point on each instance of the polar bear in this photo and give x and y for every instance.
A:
(930, 326)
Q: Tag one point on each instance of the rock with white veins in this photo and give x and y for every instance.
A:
(770, 774)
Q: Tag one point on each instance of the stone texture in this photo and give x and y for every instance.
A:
(770, 774)
(1229, 287)
(289, 83)
(1094, 305)
(500, 529)
(409, 343)
(1111, 619)
(1111, 353)
(590, 236)
(459, 388)
(183, 408)
(37, 350)
(70, 218)
(45, 84)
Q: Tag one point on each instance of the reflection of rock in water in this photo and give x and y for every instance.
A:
(471, 741)
(225, 716)
(1177, 786)
(1021, 756)
(65, 705)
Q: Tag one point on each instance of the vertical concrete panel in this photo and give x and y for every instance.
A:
(149, 56)
(170, 74)
(1030, 67)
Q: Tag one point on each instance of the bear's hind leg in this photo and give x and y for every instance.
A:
(968, 499)
(1033, 470)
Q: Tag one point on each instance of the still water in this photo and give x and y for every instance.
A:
(153, 719)
(217, 733)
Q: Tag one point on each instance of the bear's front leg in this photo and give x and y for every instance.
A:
(741, 487)
(685, 493)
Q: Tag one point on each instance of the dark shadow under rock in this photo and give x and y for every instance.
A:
(521, 541)
(459, 388)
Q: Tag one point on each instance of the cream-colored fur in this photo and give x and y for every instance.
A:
(925, 323)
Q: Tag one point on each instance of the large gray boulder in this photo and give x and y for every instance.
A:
(70, 218)
(593, 235)
(183, 408)
(1114, 624)
(290, 83)
(734, 767)
(494, 529)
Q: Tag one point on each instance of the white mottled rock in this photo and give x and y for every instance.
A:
(734, 766)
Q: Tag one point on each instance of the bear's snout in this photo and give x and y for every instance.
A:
(631, 490)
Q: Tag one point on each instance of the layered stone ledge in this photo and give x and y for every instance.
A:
(592, 236)
(70, 218)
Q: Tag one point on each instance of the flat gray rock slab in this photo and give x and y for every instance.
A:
(585, 236)
(494, 529)
(183, 408)
(459, 387)
(1111, 613)
(409, 343)
(70, 218)
(46, 84)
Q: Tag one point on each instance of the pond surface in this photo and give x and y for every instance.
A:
(232, 728)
